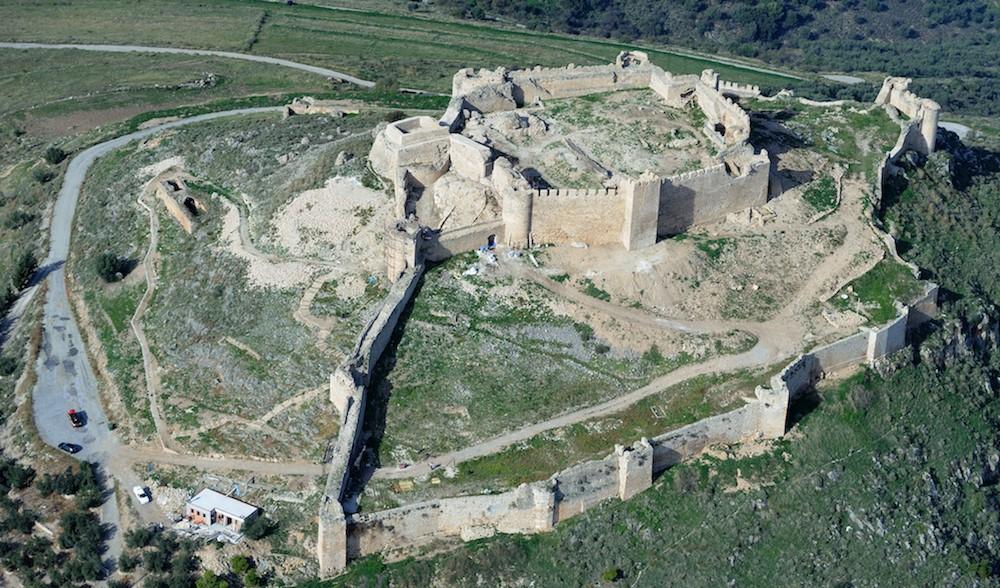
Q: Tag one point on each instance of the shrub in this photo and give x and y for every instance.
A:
(8, 365)
(109, 267)
(210, 579)
(139, 538)
(18, 219)
(54, 155)
(611, 575)
(259, 528)
(128, 562)
(25, 267)
(393, 116)
(240, 564)
(43, 175)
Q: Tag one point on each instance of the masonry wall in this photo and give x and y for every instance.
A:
(585, 485)
(709, 194)
(454, 241)
(587, 216)
(348, 389)
(567, 82)
(527, 509)
(888, 338)
(846, 352)
(686, 442)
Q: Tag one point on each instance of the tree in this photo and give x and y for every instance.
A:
(43, 175)
(210, 579)
(79, 527)
(108, 266)
(259, 528)
(239, 564)
(54, 155)
(25, 267)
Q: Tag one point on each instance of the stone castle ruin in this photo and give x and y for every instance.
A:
(179, 202)
(417, 152)
(421, 156)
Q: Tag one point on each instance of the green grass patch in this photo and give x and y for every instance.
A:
(821, 194)
(875, 293)
(591, 289)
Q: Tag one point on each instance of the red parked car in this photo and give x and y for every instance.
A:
(75, 418)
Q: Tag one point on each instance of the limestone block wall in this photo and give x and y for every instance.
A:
(588, 216)
(568, 82)
(719, 109)
(348, 391)
(895, 92)
(846, 352)
(675, 446)
(583, 486)
(709, 194)
(454, 241)
(527, 509)
(925, 307)
(470, 159)
(888, 338)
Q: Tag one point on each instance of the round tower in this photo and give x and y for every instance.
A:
(928, 127)
(517, 206)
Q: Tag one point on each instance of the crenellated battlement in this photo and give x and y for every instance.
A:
(712, 169)
(576, 192)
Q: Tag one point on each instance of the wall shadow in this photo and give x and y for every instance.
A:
(367, 459)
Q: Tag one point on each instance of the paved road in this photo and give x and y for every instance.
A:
(65, 377)
(227, 54)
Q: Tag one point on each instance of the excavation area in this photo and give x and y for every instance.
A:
(593, 140)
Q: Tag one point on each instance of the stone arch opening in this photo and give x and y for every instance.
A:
(191, 206)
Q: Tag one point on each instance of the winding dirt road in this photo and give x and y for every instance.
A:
(329, 73)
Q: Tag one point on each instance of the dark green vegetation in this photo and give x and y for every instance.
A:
(892, 36)
(159, 558)
(821, 194)
(480, 355)
(74, 558)
(946, 217)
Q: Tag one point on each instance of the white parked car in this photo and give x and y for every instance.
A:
(141, 494)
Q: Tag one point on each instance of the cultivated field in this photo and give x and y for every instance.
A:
(394, 47)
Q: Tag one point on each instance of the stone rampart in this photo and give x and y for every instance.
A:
(527, 509)
(675, 446)
(847, 352)
(454, 241)
(709, 194)
(348, 391)
(925, 307)
(889, 338)
(739, 90)
(587, 216)
(895, 92)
